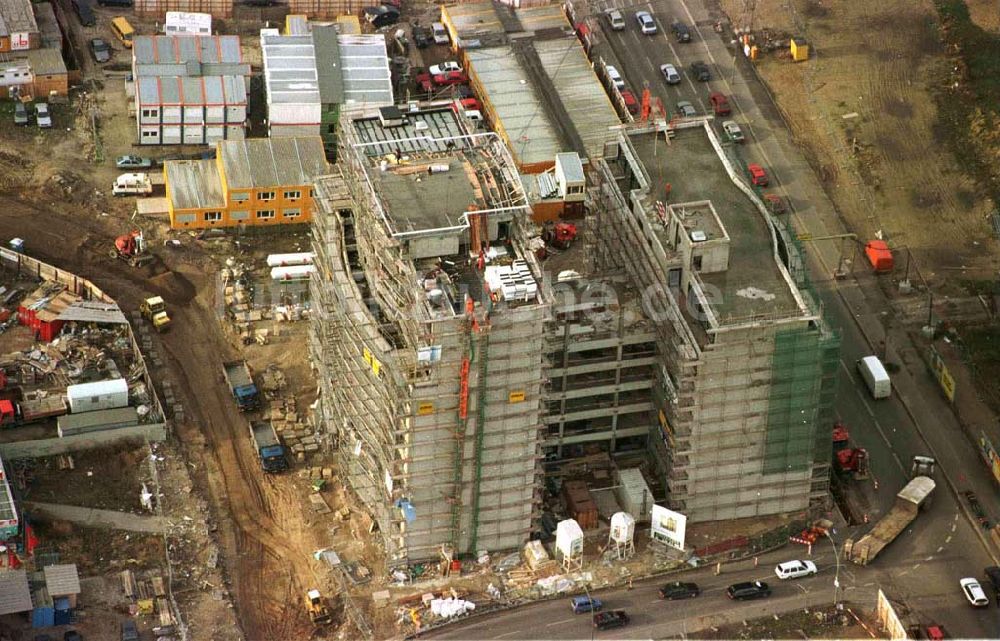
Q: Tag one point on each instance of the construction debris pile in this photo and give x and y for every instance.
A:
(147, 596)
(251, 298)
(281, 411)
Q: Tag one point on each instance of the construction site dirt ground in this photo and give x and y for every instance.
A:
(827, 623)
(106, 478)
(863, 110)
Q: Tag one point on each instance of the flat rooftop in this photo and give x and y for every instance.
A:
(418, 200)
(753, 285)
(699, 216)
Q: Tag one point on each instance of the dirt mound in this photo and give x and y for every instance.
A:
(173, 287)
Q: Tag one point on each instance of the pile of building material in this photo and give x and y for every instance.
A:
(148, 595)
(537, 565)
(292, 428)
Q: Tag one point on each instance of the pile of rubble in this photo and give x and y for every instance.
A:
(281, 411)
(147, 596)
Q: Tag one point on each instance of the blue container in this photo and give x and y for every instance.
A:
(42, 617)
(62, 617)
(62, 603)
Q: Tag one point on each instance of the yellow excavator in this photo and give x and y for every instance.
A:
(154, 310)
(319, 611)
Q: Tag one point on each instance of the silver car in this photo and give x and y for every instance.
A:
(42, 116)
(670, 74)
(616, 19)
(686, 109)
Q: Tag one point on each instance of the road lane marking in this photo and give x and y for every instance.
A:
(549, 625)
(507, 634)
(948, 540)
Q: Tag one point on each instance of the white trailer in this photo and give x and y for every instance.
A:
(185, 23)
(102, 395)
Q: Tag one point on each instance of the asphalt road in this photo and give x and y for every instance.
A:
(924, 565)
(651, 617)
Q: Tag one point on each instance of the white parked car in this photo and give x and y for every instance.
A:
(616, 19)
(646, 22)
(795, 569)
(670, 74)
(733, 131)
(42, 116)
(445, 67)
(440, 33)
(615, 77)
(974, 592)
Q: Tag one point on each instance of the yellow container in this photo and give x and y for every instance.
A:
(799, 49)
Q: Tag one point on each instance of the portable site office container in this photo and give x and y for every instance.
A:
(101, 395)
(633, 493)
(185, 23)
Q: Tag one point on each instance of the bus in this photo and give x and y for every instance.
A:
(123, 31)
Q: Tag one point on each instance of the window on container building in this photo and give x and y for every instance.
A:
(265, 195)
(291, 213)
(239, 197)
(293, 194)
(265, 214)
(213, 216)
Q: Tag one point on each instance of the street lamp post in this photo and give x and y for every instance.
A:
(836, 578)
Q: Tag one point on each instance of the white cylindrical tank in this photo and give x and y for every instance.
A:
(295, 272)
(287, 260)
(622, 527)
(569, 538)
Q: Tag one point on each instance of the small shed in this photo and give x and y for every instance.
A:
(580, 505)
(799, 49)
(15, 594)
(63, 582)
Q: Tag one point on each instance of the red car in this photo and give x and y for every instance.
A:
(467, 104)
(720, 104)
(758, 177)
(451, 78)
(630, 102)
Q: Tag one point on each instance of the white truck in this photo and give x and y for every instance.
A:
(908, 503)
(132, 185)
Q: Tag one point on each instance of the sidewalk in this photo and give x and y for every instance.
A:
(93, 517)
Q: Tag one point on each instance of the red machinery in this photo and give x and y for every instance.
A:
(849, 459)
(131, 248)
(560, 235)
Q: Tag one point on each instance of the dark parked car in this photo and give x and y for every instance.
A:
(129, 631)
(701, 71)
(422, 37)
(85, 12)
(681, 32)
(743, 591)
(20, 113)
(72, 635)
(993, 574)
(610, 619)
(679, 590)
(100, 50)
(381, 16)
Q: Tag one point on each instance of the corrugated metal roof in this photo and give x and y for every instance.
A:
(272, 162)
(579, 90)
(16, 16)
(15, 596)
(46, 62)
(194, 184)
(523, 120)
(188, 55)
(62, 580)
(290, 75)
(93, 312)
(184, 91)
(365, 68)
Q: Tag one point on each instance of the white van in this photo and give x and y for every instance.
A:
(876, 378)
(615, 77)
(132, 185)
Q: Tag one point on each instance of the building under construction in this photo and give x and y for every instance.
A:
(428, 333)
(745, 370)
(457, 370)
